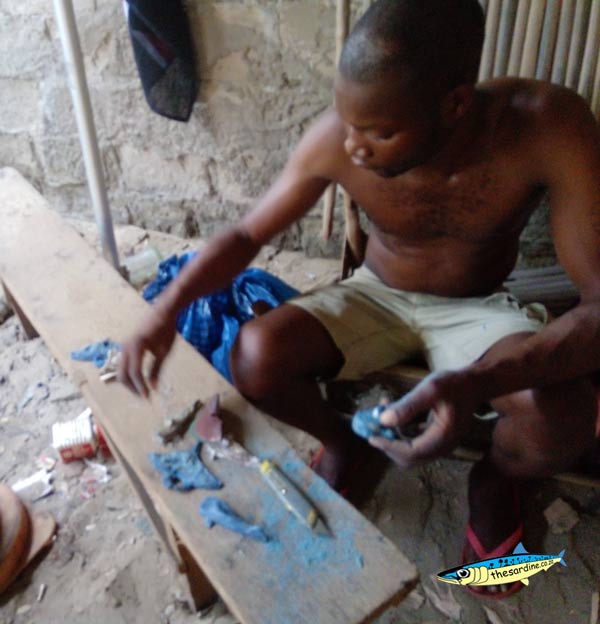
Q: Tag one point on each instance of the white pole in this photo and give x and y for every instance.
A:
(507, 23)
(67, 28)
(532, 39)
(548, 42)
(561, 54)
(582, 12)
(590, 56)
(518, 39)
(492, 22)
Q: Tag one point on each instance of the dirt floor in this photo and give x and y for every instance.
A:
(106, 565)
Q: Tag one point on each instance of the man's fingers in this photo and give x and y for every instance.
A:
(155, 370)
(399, 452)
(419, 400)
(430, 444)
(131, 361)
(123, 373)
(137, 379)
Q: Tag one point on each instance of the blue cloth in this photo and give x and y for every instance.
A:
(211, 323)
(184, 470)
(96, 352)
(365, 423)
(216, 511)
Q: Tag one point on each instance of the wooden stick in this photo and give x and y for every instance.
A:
(342, 25)
(328, 206)
(518, 40)
(561, 53)
(354, 233)
(590, 55)
(595, 608)
(582, 12)
(507, 23)
(352, 254)
(492, 23)
(548, 42)
(596, 93)
(532, 39)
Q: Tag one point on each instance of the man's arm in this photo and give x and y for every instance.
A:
(568, 157)
(568, 347)
(299, 186)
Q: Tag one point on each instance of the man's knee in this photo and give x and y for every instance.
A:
(253, 360)
(542, 432)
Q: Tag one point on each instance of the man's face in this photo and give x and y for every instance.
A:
(388, 131)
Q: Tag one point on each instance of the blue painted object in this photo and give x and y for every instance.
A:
(211, 323)
(216, 511)
(96, 352)
(184, 470)
(365, 423)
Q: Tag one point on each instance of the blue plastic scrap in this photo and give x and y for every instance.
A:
(211, 323)
(365, 423)
(216, 511)
(96, 352)
(184, 470)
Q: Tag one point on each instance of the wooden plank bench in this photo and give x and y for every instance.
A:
(69, 295)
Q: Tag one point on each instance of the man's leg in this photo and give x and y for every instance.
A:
(275, 362)
(539, 433)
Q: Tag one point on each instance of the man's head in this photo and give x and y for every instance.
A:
(408, 62)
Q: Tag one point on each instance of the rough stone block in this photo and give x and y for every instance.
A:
(149, 172)
(62, 160)
(26, 46)
(16, 150)
(20, 105)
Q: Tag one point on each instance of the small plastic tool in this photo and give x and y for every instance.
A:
(293, 499)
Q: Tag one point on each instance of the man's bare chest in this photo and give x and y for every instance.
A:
(474, 207)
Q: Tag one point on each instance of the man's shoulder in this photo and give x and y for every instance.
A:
(321, 146)
(543, 106)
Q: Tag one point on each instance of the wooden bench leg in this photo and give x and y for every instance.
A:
(28, 328)
(201, 593)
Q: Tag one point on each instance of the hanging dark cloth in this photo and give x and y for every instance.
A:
(164, 55)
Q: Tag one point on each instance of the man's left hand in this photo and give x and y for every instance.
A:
(450, 398)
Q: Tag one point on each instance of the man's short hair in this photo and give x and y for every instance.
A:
(433, 44)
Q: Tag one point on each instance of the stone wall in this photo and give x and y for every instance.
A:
(267, 71)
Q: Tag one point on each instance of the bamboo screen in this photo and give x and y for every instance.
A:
(556, 40)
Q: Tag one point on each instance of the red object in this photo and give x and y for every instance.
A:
(209, 426)
(102, 444)
(79, 451)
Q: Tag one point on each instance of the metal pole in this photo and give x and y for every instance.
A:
(67, 28)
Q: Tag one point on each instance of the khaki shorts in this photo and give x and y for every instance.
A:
(376, 326)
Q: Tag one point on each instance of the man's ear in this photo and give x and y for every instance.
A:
(456, 103)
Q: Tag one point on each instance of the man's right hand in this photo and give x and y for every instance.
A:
(156, 335)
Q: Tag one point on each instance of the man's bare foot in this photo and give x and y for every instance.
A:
(494, 517)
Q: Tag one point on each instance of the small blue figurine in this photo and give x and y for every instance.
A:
(216, 511)
(365, 423)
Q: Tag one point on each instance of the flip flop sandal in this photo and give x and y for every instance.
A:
(505, 548)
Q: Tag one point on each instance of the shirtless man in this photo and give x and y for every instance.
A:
(448, 173)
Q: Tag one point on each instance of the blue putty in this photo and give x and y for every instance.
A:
(184, 470)
(365, 423)
(216, 511)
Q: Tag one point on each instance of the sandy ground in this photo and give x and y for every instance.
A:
(106, 565)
